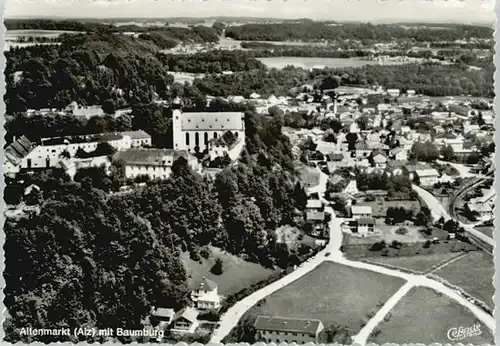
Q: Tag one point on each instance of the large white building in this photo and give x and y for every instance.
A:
(191, 130)
(154, 163)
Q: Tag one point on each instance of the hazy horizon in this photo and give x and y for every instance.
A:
(479, 12)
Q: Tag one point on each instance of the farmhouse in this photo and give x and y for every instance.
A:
(288, 330)
(364, 225)
(165, 315)
(314, 205)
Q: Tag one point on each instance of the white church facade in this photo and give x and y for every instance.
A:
(195, 130)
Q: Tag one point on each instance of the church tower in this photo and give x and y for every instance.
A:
(177, 124)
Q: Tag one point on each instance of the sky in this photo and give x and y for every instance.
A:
(462, 11)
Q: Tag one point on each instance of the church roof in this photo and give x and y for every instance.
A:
(212, 121)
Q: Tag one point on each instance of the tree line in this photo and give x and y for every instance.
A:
(307, 31)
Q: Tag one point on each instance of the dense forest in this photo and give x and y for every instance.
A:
(127, 259)
(307, 31)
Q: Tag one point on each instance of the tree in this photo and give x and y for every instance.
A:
(448, 153)
(335, 334)
(300, 196)
(351, 138)
(108, 106)
(217, 268)
(330, 82)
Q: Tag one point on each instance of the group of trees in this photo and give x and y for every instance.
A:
(307, 31)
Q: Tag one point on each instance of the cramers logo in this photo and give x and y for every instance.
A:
(460, 333)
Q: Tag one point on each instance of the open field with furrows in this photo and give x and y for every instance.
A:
(425, 316)
(332, 293)
(418, 263)
(237, 273)
(474, 274)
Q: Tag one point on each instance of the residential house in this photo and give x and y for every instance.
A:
(410, 170)
(16, 153)
(485, 211)
(362, 149)
(325, 148)
(383, 107)
(352, 188)
(427, 177)
(154, 163)
(379, 159)
(186, 320)
(165, 315)
(138, 138)
(361, 211)
(393, 92)
(399, 154)
(314, 205)
(365, 225)
(410, 92)
(205, 296)
(287, 330)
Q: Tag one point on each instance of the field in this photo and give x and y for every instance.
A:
(474, 273)
(237, 273)
(332, 293)
(425, 316)
(308, 176)
(419, 263)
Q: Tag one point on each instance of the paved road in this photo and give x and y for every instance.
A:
(230, 319)
(437, 210)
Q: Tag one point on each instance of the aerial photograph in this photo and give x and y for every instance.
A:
(249, 171)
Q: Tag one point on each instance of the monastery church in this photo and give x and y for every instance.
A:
(191, 130)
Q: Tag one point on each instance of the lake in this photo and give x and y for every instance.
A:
(14, 34)
(309, 63)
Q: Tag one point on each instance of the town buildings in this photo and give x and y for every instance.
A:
(288, 330)
(48, 152)
(361, 211)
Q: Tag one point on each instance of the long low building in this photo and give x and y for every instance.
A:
(47, 152)
(154, 163)
(289, 330)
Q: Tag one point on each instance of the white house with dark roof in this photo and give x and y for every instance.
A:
(427, 177)
(139, 138)
(196, 129)
(288, 330)
(155, 163)
(205, 296)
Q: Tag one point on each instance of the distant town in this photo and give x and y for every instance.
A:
(226, 181)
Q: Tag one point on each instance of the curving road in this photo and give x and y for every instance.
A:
(230, 319)
(437, 210)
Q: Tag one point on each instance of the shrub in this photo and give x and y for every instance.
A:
(402, 231)
(205, 252)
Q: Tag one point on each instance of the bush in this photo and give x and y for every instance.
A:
(205, 252)
(427, 244)
(193, 254)
(378, 246)
(402, 231)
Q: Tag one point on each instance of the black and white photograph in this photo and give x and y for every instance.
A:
(221, 172)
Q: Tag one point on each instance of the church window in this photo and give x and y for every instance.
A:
(206, 137)
(236, 133)
(196, 139)
(187, 138)
(215, 134)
